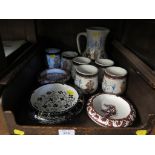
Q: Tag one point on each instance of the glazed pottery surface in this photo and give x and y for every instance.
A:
(66, 60)
(53, 75)
(54, 98)
(114, 81)
(53, 57)
(110, 111)
(47, 118)
(79, 61)
(96, 37)
(86, 78)
(102, 64)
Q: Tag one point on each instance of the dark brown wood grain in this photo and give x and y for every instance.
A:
(143, 69)
(3, 125)
(18, 29)
(62, 33)
(139, 36)
(3, 64)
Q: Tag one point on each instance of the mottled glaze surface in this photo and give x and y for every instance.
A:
(110, 111)
(78, 61)
(114, 80)
(66, 60)
(96, 37)
(86, 78)
(102, 64)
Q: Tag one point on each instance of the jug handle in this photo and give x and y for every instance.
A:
(78, 41)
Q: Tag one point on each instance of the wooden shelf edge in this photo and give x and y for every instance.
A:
(3, 126)
(79, 130)
(141, 68)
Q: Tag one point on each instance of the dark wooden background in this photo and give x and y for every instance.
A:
(137, 35)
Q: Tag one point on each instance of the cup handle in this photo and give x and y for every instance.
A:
(78, 40)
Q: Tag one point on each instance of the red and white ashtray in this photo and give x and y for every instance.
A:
(110, 111)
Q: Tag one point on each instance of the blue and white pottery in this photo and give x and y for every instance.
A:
(96, 37)
(53, 57)
(114, 81)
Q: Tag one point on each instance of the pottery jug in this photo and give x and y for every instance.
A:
(95, 47)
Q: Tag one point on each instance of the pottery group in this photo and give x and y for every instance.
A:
(70, 76)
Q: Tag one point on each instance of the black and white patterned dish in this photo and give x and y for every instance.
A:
(54, 98)
(54, 75)
(47, 118)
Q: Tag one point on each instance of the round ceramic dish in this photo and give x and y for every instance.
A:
(47, 118)
(54, 98)
(53, 76)
(110, 111)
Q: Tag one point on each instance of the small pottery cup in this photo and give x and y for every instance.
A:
(102, 64)
(86, 78)
(114, 80)
(66, 60)
(53, 57)
(79, 61)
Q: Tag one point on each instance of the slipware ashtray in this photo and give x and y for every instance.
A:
(110, 110)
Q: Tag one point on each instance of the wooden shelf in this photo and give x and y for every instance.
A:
(138, 92)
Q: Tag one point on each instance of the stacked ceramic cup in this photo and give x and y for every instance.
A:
(53, 73)
(106, 109)
(58, 66)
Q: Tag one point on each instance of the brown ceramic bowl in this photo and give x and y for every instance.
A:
(110, 111)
